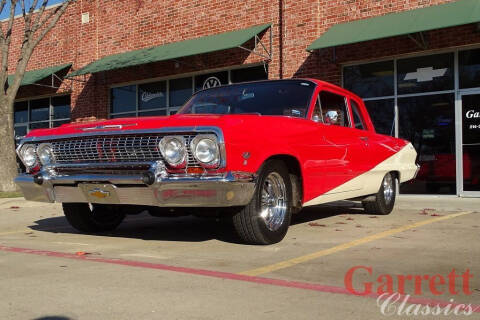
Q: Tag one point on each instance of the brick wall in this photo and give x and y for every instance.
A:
(122, 25)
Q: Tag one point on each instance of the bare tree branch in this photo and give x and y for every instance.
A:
(5, 46)
(22, 5)
(45, 19)
(30, 42)
(2, 6)
(28, 17)
(40, 14)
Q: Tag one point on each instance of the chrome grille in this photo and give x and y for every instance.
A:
(112, 149)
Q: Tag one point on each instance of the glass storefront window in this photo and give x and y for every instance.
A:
(159, 112)
(180, 91)
(205, 81)
(469, 68)
(21, 112)
(370, 80)
(39, 110)
(428, 122)
(425, 102)
(249, 74)
(152, 95)
(166, 97)
(382, 113)
(61, 107)
(123, 99)
(40, 114)
(425, 74)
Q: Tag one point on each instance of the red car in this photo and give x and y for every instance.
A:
(256, 152)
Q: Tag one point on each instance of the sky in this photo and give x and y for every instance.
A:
(6, 11)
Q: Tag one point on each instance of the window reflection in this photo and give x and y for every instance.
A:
(370, 80)
(152, 95)
(39, 109)
(469, 68)
(425, 73)
(180, 91)
(123, 99)
(428, 122)
(382, 113)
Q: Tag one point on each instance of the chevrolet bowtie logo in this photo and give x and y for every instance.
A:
(425, 74)
(99, 193)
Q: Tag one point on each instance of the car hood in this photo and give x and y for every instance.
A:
(240, 124)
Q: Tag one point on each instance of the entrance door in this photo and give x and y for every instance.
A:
(470, 144)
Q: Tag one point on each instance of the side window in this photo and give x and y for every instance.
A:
(358, 122)
(334, 109)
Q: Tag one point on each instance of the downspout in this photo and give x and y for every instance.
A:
(280, 41)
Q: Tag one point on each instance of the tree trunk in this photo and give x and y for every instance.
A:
(8, 158)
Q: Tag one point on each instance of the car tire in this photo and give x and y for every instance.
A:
(265, 220)
(384, 200)
(93, 217)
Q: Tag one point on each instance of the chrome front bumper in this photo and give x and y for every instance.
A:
(226, 190)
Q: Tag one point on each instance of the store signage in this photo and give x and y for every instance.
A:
(211, 82)
(425, 74)
(472, 114)
(471, 119)
(147, 96)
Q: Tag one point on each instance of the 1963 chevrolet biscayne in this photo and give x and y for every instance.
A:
(256, 152)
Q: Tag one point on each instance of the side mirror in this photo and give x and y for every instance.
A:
(331, 117)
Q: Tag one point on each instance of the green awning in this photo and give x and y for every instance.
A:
(408, 22)
(31, 77)
(222, 41)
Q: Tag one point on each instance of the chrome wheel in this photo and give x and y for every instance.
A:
(273, 200)
(388, 188)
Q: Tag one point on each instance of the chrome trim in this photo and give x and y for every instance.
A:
(416, 171)
(221, 190)
(201, 129)
(183, 161)
(193, 146)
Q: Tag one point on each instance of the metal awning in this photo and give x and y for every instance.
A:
(222, 41)
(404, 23)
(34, 76)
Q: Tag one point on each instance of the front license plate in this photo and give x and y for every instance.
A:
(99, 193)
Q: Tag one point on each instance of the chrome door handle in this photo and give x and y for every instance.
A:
(364, 138)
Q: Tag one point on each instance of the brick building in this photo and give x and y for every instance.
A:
(415, 62)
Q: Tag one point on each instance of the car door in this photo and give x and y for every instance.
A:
(344, 148)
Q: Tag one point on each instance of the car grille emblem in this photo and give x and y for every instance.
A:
(98, 193)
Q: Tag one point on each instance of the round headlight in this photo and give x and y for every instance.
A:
(173, 150)
(205, 150)
(29, 157)
(45, 154)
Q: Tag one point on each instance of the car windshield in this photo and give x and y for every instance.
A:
(281, 98)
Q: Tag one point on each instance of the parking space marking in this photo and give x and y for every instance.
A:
(230, 276)
(292, 262)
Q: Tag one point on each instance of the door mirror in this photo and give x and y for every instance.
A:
(331, 117)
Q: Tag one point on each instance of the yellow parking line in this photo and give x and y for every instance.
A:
(341, 247)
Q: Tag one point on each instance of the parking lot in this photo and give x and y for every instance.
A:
(190, 268)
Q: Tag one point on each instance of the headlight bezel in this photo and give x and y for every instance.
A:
(181, 163)
(42, 147)
(22, 153)
(216, 161)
